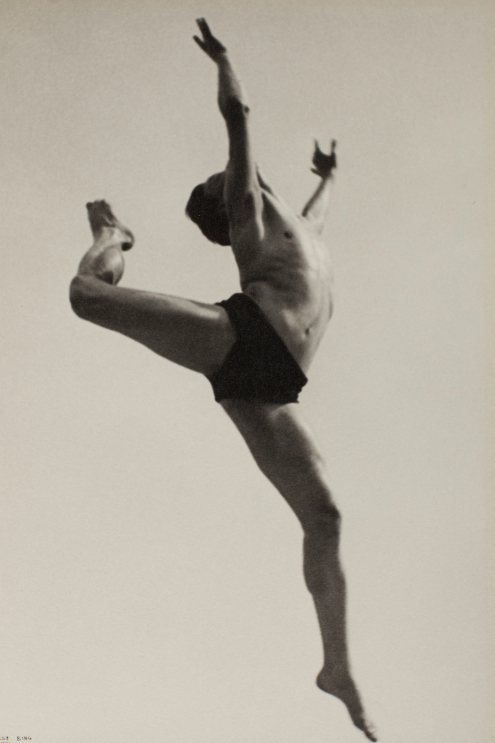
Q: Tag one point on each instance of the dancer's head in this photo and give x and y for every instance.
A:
(206, 207)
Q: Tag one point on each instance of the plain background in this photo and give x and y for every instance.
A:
(151, 584)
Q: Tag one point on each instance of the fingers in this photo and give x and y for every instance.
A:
(205, 30)
(200, 43)
(333, 145)
(209, 44)
(203, 27)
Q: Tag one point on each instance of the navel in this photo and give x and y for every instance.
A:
(289, 235)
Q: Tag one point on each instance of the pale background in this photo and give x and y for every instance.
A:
(151, 584)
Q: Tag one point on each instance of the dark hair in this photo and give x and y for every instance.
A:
(210, 214)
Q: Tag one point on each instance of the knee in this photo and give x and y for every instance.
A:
(325, 522)
(82, 296)
(76, 296)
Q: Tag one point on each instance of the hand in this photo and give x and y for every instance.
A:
(324, 164)
(211, 46)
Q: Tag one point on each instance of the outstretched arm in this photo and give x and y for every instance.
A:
(230, 91)
(316, 209)
(242, 193)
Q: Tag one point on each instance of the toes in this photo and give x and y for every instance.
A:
(98, 204)
(367, 728)
(100, 215)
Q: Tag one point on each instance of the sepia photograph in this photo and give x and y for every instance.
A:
(247, 401)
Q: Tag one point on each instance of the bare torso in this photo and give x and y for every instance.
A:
(288, 274)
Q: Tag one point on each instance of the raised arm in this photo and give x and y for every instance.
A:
(230, 91)
(316, 209)
(242, 192)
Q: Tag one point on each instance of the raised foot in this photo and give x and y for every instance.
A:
(106, 227)
(345, 690)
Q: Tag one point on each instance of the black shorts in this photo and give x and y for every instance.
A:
(259, 366)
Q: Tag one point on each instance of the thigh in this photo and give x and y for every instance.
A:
(285, 450)
(193, 334)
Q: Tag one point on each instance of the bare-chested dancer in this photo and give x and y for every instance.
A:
(256, 347)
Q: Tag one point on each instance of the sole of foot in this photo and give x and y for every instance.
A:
(100, 215)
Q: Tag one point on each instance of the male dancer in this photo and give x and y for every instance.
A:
(256, 347)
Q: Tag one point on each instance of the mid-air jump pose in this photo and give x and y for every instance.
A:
(256, 347)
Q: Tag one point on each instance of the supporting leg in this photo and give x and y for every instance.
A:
(286, 453)
(192, 334)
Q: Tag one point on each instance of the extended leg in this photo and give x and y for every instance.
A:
(285, 451)
(192, 334)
